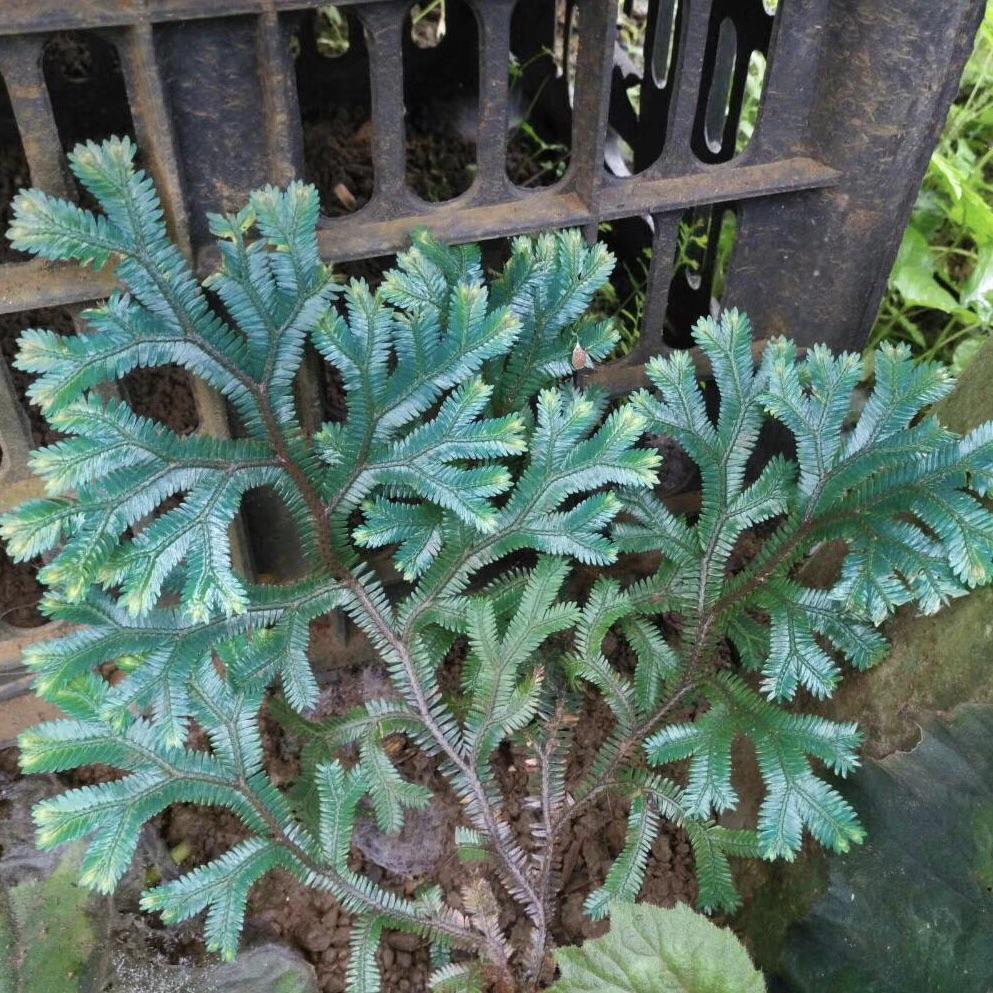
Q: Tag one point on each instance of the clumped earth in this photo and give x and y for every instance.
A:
(20, 592)
(280, 909)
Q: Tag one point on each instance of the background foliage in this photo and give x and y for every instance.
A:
(940, 297)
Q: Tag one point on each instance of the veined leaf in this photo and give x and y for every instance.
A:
(652, 950)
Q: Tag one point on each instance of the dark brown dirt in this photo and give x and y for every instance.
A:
(441, 164)
(20, 592)
(9, 770)
(11, 325)
(338, 160)
(282, 908)
(337, 153)
(163, 394)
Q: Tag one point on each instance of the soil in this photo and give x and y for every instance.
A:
(281, 908)
(20, 593)
(338, 155)
(441, 163)
(164, 394)
(11, 326)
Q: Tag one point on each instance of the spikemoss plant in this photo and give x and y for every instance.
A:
(487, 474)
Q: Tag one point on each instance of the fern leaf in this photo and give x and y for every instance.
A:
(339, 793)
(389, 791)
(223, 886)
(455, 977)
(623, 882)
(363, 969)
(712, 844)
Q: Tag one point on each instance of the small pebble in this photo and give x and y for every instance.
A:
(403, 940)
(317, 939)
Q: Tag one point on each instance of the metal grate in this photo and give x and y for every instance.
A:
(855, 92)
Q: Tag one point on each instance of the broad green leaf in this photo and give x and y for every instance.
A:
(652, 950)
(914, 275)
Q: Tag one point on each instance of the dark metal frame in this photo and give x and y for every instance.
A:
(856, 92)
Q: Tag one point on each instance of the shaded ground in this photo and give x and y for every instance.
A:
(282, 909)
(424, 853)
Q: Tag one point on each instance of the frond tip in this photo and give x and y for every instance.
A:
(462, 449)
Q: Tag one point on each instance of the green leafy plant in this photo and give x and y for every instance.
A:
(651, 950)
(940, 298)
(468, 457)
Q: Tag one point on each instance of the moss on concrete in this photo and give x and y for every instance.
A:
(7, 947)
(52, 937)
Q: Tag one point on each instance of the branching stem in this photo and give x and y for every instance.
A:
(511, 862)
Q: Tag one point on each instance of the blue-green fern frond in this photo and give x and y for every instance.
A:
(494, 484)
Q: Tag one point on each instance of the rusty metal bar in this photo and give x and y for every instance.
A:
(284, 135)
(815, 266)
(20, 66)
(594, 69)
(26, 16)
(153, 126)
(493, 17)
(15, 432)
(358, 236)
(220, 131)
(34, 284)
(383, 25)
(664, 241)
(28, 285)
(793, 69)
(677, 154)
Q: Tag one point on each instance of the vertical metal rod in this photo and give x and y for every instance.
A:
(793, 64)
(21, 68)
(493, 18)
(594, 72)
(280, 108)
(664, 241)
(153, 126)
(15, 431)
(384, 24)
(688, 80)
